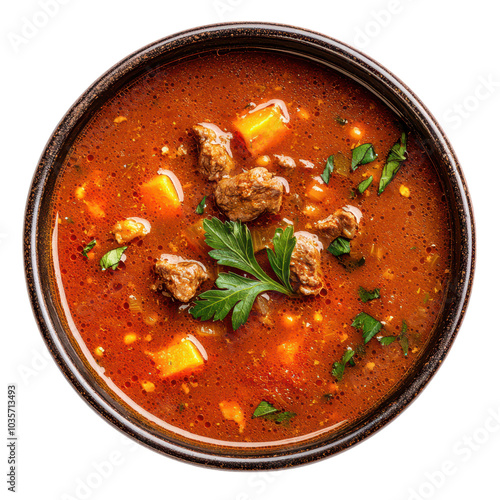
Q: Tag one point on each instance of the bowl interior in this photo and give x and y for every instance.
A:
(39, 227)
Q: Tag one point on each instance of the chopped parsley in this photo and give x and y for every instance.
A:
(88, 247)
(368, 324)
(112, 258)
(201, 206)
(339, 366)
(339, 246)
(366, 295)
(395, 158)
(364, 185)
(268, 411)
(341, 121)
(328, 171)
(402, 338)
(362, 155)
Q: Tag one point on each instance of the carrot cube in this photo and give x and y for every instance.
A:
(317, 190)
(232, 411)
(161, 191)
(178, 358)
(261, 128)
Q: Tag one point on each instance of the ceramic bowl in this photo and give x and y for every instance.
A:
(301, 43)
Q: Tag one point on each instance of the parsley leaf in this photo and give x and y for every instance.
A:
(201, 206)
(339, 366)
(370, 325)
(403, 341)
(394, 160)
(341, 121)
(88, 248)
(364, 185)
(339, 246)
(402, 337)
(232, 244)
(264, 408)
(279, 258)
(282, 418)
(350, 264)
(112, 258)
(387, 340)
(327, 172)
(268, 411)
(366, 295)
(362, 155)
(404, 328)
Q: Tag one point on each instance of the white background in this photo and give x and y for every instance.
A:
(445, 50)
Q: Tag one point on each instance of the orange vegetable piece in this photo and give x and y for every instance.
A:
(177, 358)
(317, 190)
(95, 209)
(261, 128)
(232, 411)
(161, 191)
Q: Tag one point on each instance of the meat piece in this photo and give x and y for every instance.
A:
(128, 229)
(215, 159)
(179, 278)
(305, 264)
(341, 223)
(285, 161)
(249, 194)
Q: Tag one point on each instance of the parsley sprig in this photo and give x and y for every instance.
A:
(269, 412)
(232, 246)
(396, 156)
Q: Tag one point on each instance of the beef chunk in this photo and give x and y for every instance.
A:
(249, 194)
(285, 161)
(215, 159)
(305, 265)
(178, 278)
(341, 223)
(128, 229)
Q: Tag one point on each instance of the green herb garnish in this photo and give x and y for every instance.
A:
(88, 247)
(370, 325)
(339, 246)
(362, 155)
(339, 366)
(268, 411)
(341, 121)
(327, 172)
(366, 295)
(403, 339)
(387, 340)
(112, 258)
(394, 160)
(364, 185)
(232, 244)
(350, 264)
(201, 206)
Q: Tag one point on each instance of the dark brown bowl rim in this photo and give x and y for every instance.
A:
(200, 38)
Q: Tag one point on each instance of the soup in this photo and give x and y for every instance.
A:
(250, 248)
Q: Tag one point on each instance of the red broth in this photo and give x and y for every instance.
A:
(283, 357)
